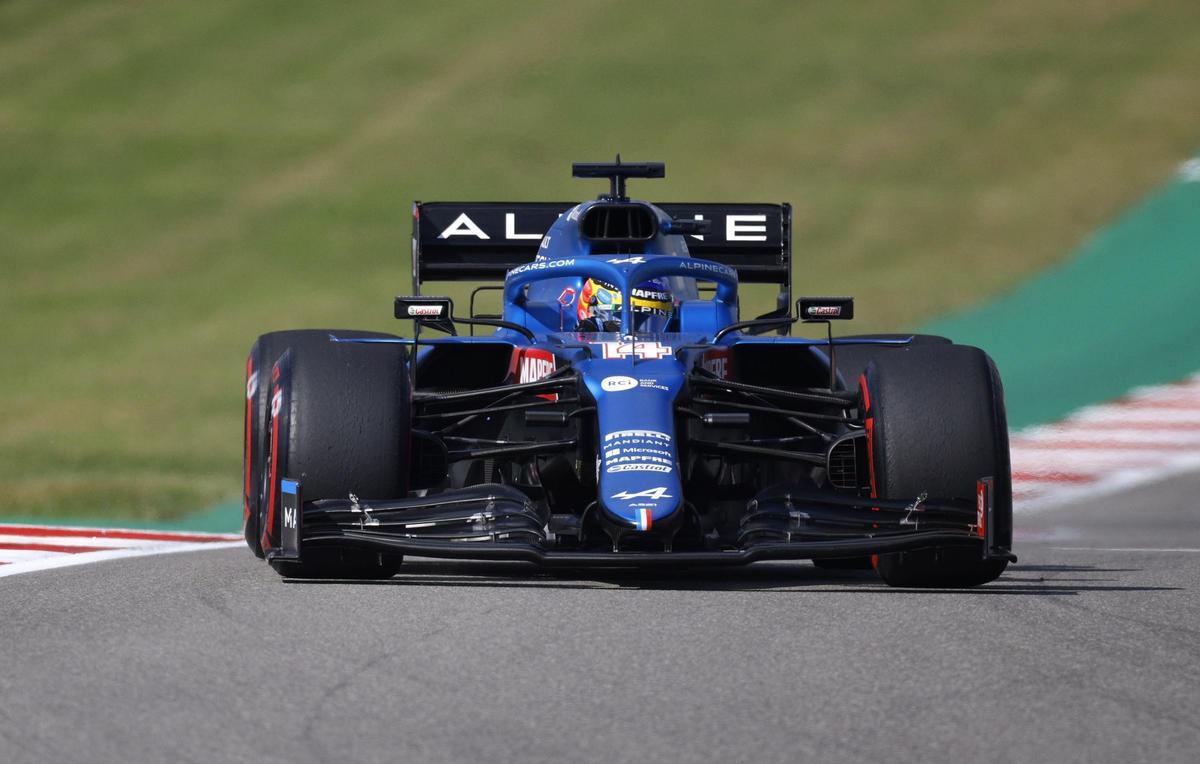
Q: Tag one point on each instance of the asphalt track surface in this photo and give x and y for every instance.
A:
(1088, 650)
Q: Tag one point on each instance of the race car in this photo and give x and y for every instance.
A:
(619, 412)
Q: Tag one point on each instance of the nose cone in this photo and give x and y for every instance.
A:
(639, 465)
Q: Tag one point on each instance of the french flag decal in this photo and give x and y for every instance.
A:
(644, 519)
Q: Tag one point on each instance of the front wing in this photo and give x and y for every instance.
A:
(496, 522)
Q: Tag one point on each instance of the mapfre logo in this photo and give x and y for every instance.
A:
(716, 362)
(535, 367)
(532, 365)
(617, 384)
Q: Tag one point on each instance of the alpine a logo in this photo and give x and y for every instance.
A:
(618, 383)
(650, 493)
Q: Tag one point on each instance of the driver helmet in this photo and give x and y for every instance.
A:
(599, 307)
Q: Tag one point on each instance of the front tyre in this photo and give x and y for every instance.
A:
(937, 424)
(853, 359)
(263, 354)
(342, 427)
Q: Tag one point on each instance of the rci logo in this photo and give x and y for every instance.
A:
(617, 384)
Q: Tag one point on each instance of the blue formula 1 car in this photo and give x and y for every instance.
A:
(619, 411)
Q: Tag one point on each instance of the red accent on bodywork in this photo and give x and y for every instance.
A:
(718, 361)
(870, 425)
(981, 499)
(273, 486)
(540, 363)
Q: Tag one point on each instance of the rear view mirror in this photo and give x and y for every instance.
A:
(434, 312)
(826, 308)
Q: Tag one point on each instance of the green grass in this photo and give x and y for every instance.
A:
(178, 177)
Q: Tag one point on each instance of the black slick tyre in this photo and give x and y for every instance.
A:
(938, 424)
(852, 360)
(348, 431)
(265, 351)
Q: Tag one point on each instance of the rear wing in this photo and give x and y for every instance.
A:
(481, 241)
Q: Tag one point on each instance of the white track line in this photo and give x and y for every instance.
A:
(1124, 549)
(67, 560)
(1036, 436)
(1145, 436)
(83, 541)
(20, 555)
(28, 548)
